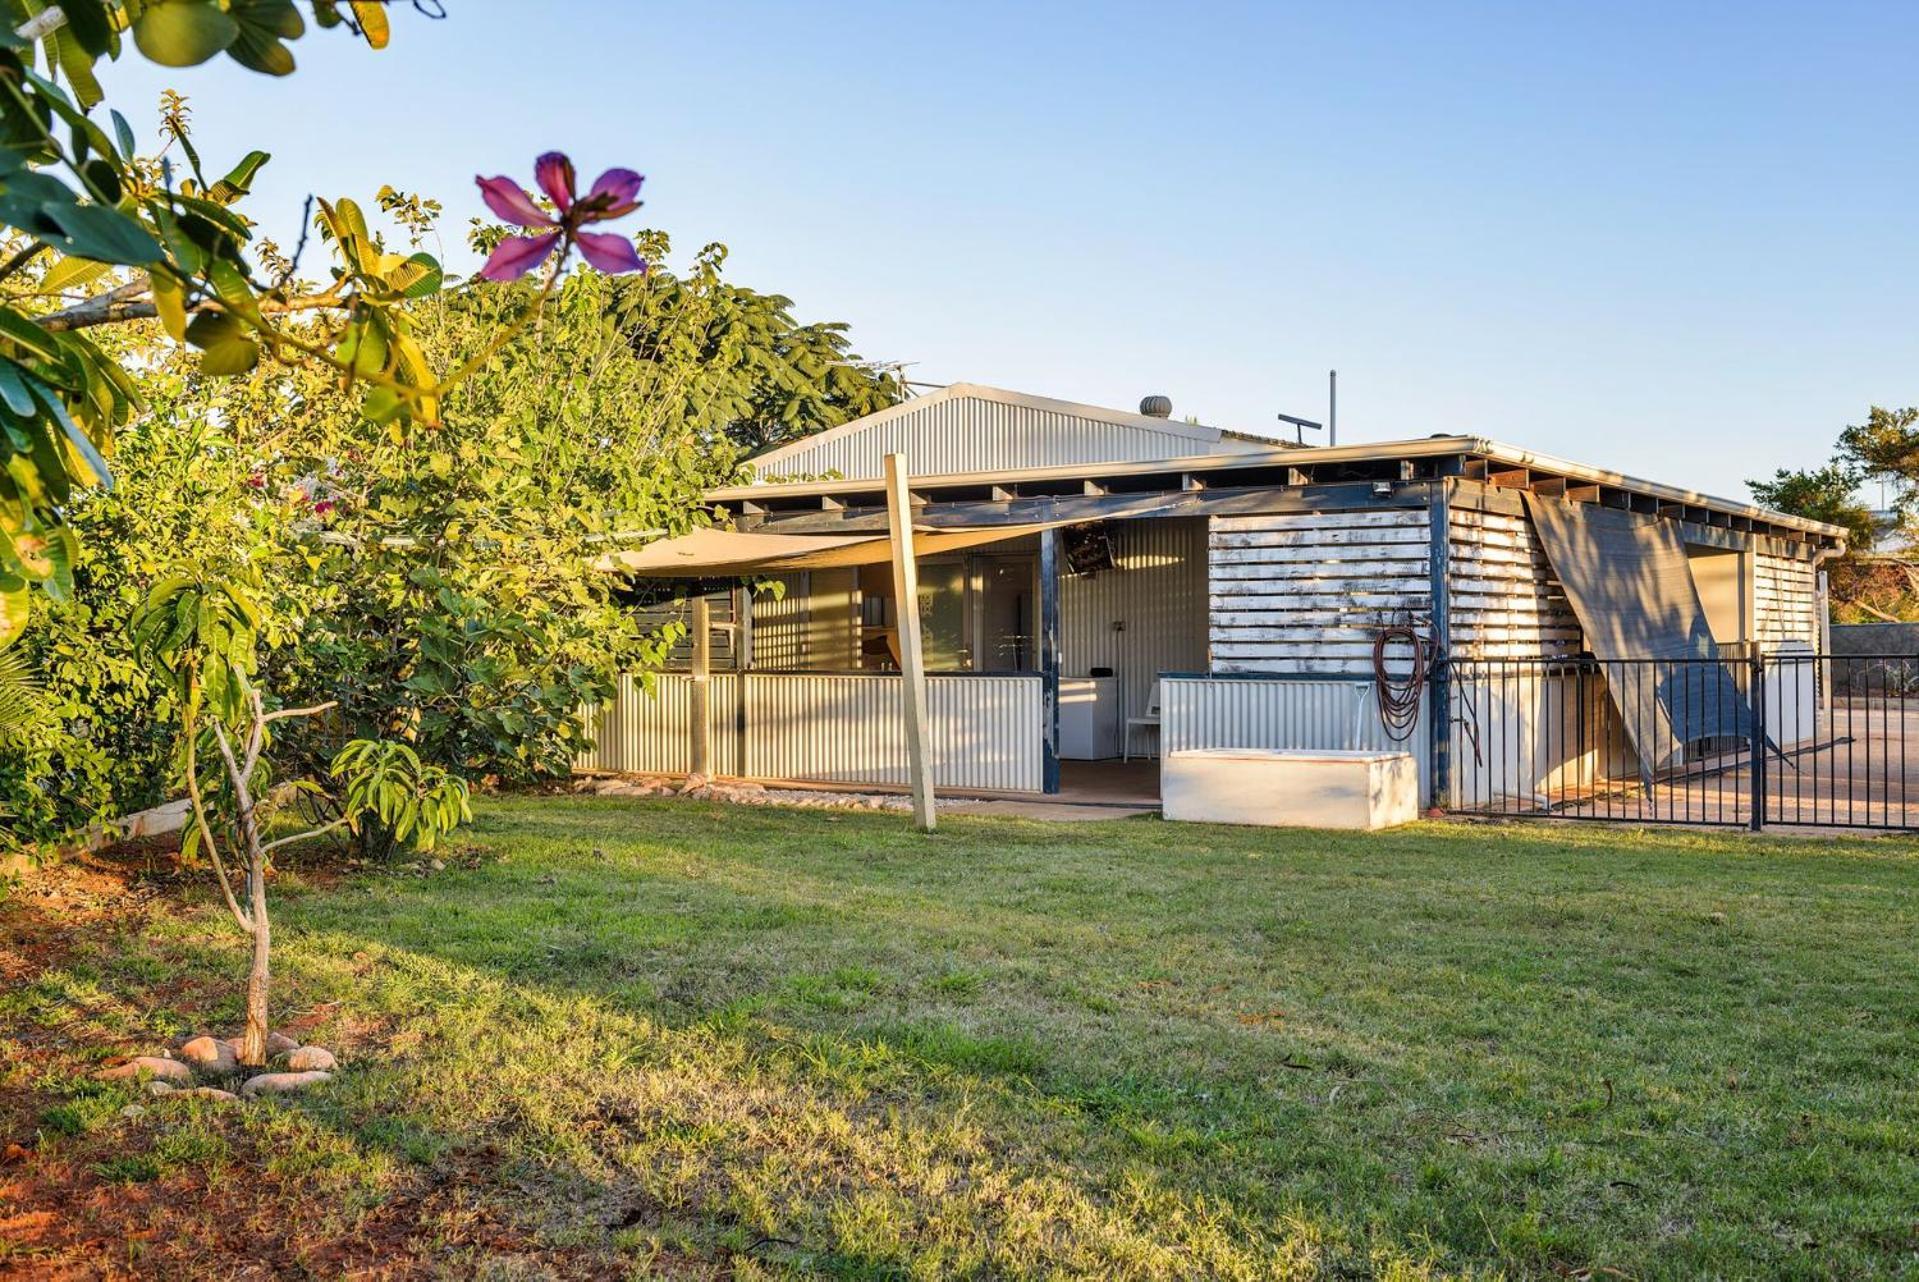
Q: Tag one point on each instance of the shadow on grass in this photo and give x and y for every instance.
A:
(595, 1132)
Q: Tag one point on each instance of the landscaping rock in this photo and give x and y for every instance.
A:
(162, 1068)
(282, 1083)
(158, 1087)
(210, 1055)
(277, 1044)
(206, 1092)
(132, 1111)
(308, 1059)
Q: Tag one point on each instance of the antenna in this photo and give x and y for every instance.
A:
(1300, 426)
(880, 369)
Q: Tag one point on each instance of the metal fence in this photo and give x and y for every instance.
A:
(1766, 738)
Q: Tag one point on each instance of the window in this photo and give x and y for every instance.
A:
(1724, 580)
(943, 616)
(1006, 614)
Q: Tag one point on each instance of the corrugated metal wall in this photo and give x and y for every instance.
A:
(974, 434)
(1291, 712)
(1520, 738)
(1157, 590)
(845, 728)
(643, 733)
(833, 728)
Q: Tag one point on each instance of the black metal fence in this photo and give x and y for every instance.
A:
(1746, 739)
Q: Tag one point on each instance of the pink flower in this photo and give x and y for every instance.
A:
(614, 194)
(323, 507)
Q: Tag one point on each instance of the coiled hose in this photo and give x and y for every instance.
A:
(1399, 697)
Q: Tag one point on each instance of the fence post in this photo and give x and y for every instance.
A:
(1439, 712)
(1756, 670)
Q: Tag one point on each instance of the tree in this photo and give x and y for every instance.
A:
(202, 633)
(1886, 447)
(179, 252)
(1828, 494)
(447, 585)
(80, 210)
(769, 380)
(436, 582)
(88, 213)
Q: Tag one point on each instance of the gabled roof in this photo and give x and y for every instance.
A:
(968, 426)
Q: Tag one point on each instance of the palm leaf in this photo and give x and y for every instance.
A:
(23, 703)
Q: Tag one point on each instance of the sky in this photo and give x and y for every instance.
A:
(1674, 240)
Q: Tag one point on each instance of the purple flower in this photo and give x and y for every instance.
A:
(614, 194)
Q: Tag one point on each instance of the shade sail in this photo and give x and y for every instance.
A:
(1630, 583)
(725, 554)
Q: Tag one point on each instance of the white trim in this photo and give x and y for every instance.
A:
(1044, 404)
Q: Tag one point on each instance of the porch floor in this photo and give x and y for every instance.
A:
(1128, 783)
(1087, 790)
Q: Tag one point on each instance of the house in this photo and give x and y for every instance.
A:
(1096, 584)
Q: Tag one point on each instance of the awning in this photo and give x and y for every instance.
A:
(729, 554)
(1630, 584)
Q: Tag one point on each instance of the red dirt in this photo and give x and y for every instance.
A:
(60, 1218)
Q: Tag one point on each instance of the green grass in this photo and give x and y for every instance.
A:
(662, 1037)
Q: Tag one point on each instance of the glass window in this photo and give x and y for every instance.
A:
(943, 616)
(1006, 614)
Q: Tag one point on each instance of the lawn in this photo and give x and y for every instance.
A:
(636, 1037)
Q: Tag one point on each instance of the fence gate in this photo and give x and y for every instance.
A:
(1856, 769)
(1785, 738)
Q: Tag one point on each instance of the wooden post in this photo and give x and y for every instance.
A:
(742, 664)
(906, 600)
(699, 710)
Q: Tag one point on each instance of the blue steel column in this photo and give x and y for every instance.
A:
(1049, 657)
(1439, 690)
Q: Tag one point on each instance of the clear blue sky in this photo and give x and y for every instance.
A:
(1676, 239)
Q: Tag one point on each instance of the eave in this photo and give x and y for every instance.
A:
(1423, 459)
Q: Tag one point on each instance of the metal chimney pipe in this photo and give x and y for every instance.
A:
(1332, 407)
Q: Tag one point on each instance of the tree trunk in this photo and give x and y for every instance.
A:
(253, 1045)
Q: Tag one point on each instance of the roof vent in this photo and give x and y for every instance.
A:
(1156, 406)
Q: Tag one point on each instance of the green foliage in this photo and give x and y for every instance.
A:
(443, 581)
(22, 700)
(202, 634)
(1886, 447)
(437, 583)
(769, 380)
(109, 747)
(1828, 494)
(81, 210)
(394, 801)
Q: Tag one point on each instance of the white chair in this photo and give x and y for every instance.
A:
(1148, 722)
